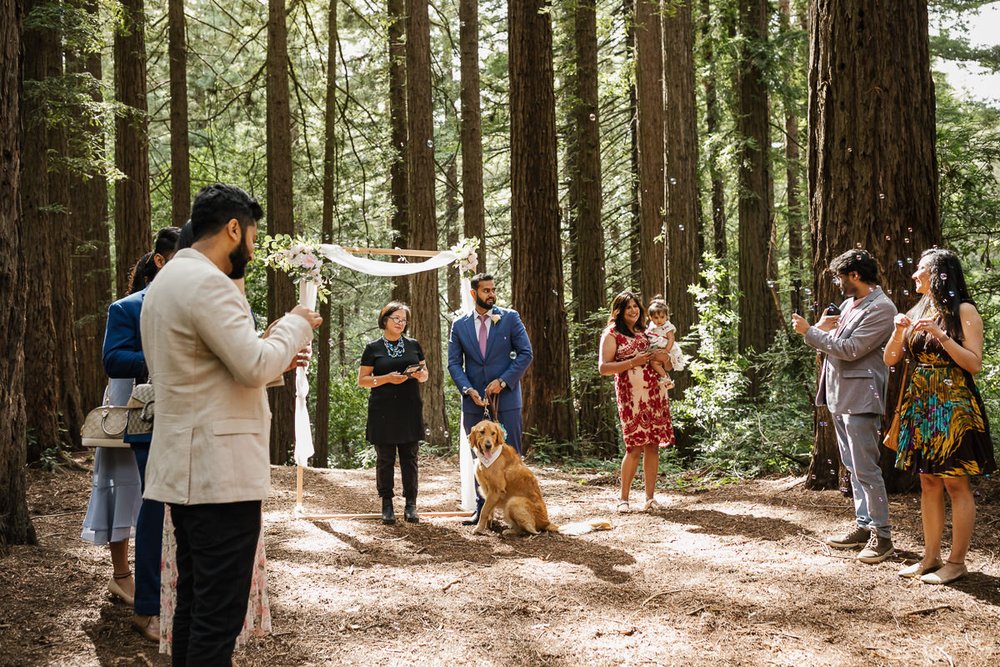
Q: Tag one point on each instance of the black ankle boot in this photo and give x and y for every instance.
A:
(410, 512)
(388, 514)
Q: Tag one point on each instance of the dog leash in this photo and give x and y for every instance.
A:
(492, 402)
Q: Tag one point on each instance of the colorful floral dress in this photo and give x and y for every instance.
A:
(643, 405)
(258, 619)
(943, 429)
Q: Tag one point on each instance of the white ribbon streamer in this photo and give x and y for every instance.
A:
(466, 464)
(303, 428)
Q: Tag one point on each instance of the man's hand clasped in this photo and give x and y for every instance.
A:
(826, 323)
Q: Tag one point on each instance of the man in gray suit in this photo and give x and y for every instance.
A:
(852, 385)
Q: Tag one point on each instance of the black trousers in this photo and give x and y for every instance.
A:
(216, 545)
(385, 462)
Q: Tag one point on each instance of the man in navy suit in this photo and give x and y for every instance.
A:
(488, 353)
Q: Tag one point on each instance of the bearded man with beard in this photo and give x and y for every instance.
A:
(209, 459)
(488, 353)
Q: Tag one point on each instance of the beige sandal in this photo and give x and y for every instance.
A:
(116, 590)
(622, 507)
(917, 570)
(948, 573)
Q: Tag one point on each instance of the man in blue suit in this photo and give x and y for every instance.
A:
(488, 353)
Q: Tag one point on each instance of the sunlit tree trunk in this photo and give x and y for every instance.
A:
(473, 208)
(712, 113)
(424, 297)
(536, 258)
(280, 290)
(15, 522)
(872, 164)
(398, 179)
(649, 99)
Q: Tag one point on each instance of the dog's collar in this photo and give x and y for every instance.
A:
(487, 462)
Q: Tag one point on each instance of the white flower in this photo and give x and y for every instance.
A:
(495, 317)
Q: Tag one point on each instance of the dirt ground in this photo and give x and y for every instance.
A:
(732, 576)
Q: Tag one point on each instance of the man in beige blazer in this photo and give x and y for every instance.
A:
(209, 455)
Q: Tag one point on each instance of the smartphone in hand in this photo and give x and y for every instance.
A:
(833, 309)
(410, 370)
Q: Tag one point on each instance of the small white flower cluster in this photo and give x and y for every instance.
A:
(468, 257)
(300, 259)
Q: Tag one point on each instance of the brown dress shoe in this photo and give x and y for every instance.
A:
(147, 626)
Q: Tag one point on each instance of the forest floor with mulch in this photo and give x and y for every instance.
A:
(736, 575)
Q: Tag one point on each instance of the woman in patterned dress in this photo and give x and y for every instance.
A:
(944, 434)
(643, 406)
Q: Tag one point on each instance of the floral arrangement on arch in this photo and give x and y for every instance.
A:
(468, 257)
(302, 260)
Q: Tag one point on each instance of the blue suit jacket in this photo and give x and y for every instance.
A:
(508, 355)
(123, 357)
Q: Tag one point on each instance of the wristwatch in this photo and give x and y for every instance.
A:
(503, 385)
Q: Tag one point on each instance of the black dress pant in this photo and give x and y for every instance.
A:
(216, 545)
(385, 461)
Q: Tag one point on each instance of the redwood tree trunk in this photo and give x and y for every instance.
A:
(683, 223)
(793, 171)
(756, 307)
(280, 290)
(471, 127)
(322, 440)
(649, 99)
(133, 234)
(596, 420)
(718, 187)
(872, 162)
(180, 168)
(15, 522)
(536, 257)
(451, 230)
(397, 118)
(424, 297)
(39, 242)
(91, 257)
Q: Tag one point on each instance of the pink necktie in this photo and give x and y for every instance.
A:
(482, 335)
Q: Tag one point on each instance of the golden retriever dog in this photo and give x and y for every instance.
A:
(507, 483)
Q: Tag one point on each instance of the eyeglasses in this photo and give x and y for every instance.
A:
(399, 321)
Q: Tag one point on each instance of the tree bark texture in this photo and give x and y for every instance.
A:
(712, 114)
(38, 243)
(635, 235)
(536, 257)
(758, 316)
(649, 100)
(425, 302)
(180, 165)
(400, 222)
(452, 206)
(473, 208)
(596, 420)
(91, 238)
(793, 171)
(280, 290)
(683, 219)
(15, 522)
(322, 440)
(133, 233)
(872, 163)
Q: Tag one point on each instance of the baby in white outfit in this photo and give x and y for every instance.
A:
(660, 333)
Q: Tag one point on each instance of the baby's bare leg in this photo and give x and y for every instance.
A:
(659, 368)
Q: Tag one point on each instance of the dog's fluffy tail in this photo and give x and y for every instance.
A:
(580, 527)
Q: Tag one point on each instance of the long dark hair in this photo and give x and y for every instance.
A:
(948, 291)
(145, 269)
(617, 316)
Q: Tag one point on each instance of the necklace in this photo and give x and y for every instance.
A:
(393, 349)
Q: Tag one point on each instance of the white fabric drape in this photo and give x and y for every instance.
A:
(307, 297)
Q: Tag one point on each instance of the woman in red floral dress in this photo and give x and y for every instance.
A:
(643, 406)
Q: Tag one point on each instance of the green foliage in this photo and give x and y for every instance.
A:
(348, 418)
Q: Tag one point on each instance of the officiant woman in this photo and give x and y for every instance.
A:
(393, 367)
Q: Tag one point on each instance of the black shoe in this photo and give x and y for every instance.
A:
(388, 514)
(471, 521)
(410, 513)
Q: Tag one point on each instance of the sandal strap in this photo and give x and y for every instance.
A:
(126, 575)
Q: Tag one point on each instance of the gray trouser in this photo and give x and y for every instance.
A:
(858, 438)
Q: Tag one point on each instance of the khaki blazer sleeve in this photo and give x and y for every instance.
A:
(222, 320)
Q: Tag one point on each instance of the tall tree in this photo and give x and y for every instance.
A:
(15, 523)
(451, 208)
(39, 242)
(683, 219)
(397, 118)
(873, 179)
(712, 125)
(280, 290)
(649, 102)
(180, 167)
(422, 216)
(586, 230)
(133, 233)
(472, 127)
(322, 456)
(757, 312)
(536, 252)
(91, 256)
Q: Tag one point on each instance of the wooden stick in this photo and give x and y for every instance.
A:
(392, 251)
(327, 517)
